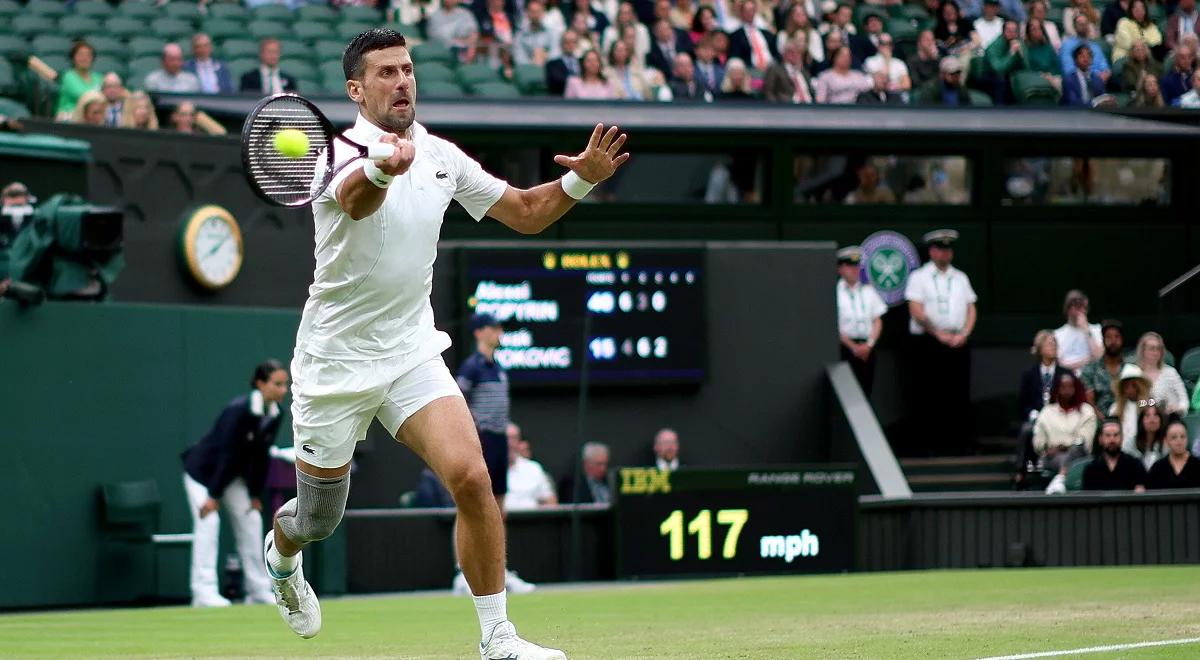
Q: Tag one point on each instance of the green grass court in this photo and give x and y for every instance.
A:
(943, 614)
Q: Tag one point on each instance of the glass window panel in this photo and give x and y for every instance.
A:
(1095, 181)
(734, 177)
(881, 179)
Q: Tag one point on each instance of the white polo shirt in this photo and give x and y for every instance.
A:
(945, 296)
(370, 293)
(858, 306)
(1073, 344)
(527, 484)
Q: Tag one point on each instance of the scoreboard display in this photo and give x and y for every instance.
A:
(794, 519)
(643, 307)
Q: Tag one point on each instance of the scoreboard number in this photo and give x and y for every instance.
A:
(701, 527)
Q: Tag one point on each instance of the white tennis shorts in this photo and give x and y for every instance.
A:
(333, 401)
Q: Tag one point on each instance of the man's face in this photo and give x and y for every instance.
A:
(1114, 342)
(268, 53)
(1076, 308)
(874, 25)
(201, 47)
(1082, 26)
(536, 11)
(16, 197)
(941, 256)
(387, 92)
(275, 387)
(952, 78)
(570, 42)
(683, 67)
(489, 336)
(662, 9)
(1183, 58)
(868, 178)
(596, 467)
(1083, 59)
(1110, 439)
(625, 13)
(172, 60)
(111, 88)
(849, 272)
(666, 445)
(991, 10)
(513, 433)
(746, 12)
(843, 15)
(663, 33)
(704, 51)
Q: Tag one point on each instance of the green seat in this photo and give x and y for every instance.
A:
(32, 25)
(146, 11)
(12, 108)
(9, 8)
(139, 68)
(976, 70)
(350, 30)
(233, 49)
(324, 51)
(496, 90)
(334, 86)
(902, 29)
(268, 29)
(1075, 474)
(107, 46)
(172, 29)
(1192, 422)
(1189, 366)
(530, 79)
(8, 80)
(129, 516)
(95, 8)
(432, 51)
(316, 14)
(52, 8)
(231, 11)
(77, 26)
(441, 90)
(300, 69)
(331, 70)
(108, 64)
(310, 31)
(57, 62)
(184, 11)
(472, 75)
(13, 47)
(241, 66)
(434, 72)
(220, 29)
(273, 14)
(1030, 88)
(360, 14)
(979, 99)
(51, 44)
(146, 47)
(915, 13)
(125, 27)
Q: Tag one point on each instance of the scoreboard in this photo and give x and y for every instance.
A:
(644, 307)
(791, 519)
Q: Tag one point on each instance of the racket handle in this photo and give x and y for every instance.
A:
(380, 151)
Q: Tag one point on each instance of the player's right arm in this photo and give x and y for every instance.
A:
(358, 196)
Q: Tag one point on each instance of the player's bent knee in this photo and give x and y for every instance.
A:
(469, 481)
(316, 510)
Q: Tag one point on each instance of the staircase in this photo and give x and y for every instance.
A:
(991, 469)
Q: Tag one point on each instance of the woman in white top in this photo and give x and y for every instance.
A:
(1064, 429)
(1151, 430)
(1166, 385)
(1130, 390)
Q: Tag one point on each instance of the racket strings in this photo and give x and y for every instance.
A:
(286, 180)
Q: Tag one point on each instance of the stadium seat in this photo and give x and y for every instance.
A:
(496, 90)
(125, 27)
(471, 75)
(350, 29)
(107, 46)
(146, 47)
(268, 29)
(980, 99)
(360, 14)
(51, 44)
(434, 72)
(109, 64)
(1189, 367)
(184, 11)
(77, 26)
(130, 514)
(95, 8)
(334, 86)
(310, 31)
(32, 25)
(273, 13)
(1030, 88)
(52, 8)
(331, 70)
(324, 51)
(233, 49)
(1192, 422)
(8, 80)
(228, 11)
(220, 29)
(146, 11)
(431, 51)
(530, 79)
(316, 14)
(300, 69)
(240, 66)
(13, 47)
(915, 13)
(172, 29)
(1075, 473)
(441, 90)
(13, 108)
(139, 67)
(9, 8)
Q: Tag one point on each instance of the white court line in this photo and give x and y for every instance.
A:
(1096, 649)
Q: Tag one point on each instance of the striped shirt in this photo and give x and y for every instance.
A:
(485, 386)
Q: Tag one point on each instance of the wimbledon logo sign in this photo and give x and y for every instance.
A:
(888, 258)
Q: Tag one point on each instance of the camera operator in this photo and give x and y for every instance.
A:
(16, 209)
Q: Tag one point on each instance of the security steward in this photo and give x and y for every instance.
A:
(860, 317)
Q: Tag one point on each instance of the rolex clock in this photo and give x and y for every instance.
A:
(210, 244)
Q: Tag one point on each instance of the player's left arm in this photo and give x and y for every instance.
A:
(531, 210)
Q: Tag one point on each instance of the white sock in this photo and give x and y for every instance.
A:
(492, 611)
(280, 565)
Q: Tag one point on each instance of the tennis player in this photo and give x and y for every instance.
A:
(367, 346)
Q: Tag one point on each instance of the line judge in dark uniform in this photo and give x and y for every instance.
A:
(941, 306)
(860, 317)
(229, 467)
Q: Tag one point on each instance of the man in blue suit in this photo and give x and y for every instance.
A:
(213, 74)
(1082, 84)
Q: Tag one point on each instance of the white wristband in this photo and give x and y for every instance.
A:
(574, 186)
(376, 175)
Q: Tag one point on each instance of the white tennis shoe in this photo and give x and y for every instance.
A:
(297, 603)
(515, 585)
(503, 644)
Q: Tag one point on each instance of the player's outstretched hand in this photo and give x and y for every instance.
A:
(600, 159)
(402, 157)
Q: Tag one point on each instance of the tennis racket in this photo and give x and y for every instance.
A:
(293, 182)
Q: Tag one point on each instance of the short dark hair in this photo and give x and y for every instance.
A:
(1110, 420)
(1080, 47)
(373, 39)
(78, 46)
(1112, 324)
(263, 371)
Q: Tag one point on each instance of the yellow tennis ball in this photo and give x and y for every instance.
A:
(291, 142)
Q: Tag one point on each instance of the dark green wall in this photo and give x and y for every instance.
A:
(98, 393)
